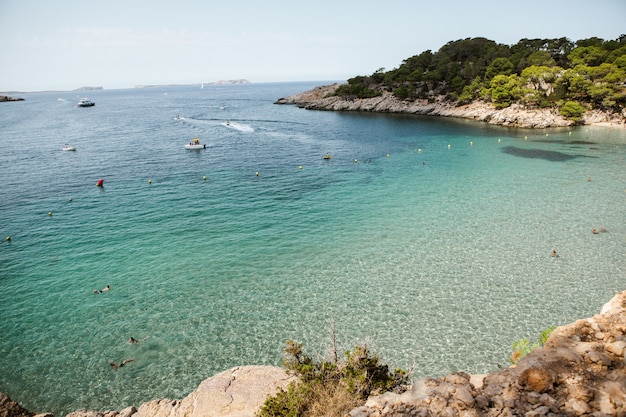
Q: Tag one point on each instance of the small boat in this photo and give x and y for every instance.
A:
(69, 147)
(84, 102)
(195, 144)
(327, 156)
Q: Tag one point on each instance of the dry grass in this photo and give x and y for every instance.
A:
(332, 401)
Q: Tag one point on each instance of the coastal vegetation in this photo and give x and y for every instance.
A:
(572, 77)
(523, 347)
(331, 387)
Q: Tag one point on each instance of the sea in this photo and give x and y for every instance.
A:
(429, 239)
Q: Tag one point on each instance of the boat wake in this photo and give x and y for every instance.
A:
(238, 126)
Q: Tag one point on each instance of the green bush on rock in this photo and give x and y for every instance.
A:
(523, 347)
(331, 388)
(572, 110)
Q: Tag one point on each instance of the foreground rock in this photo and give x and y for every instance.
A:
(580, 371)
(237, 392)
(515, 115)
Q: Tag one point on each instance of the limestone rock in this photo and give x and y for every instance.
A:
(10, 408)
(237, 392)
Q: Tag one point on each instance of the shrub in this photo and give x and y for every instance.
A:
(331, 388)
(572, 110)
(523, 347)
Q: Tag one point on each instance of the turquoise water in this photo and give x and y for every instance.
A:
(437, 256)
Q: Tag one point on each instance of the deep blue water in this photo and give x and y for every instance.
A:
(427, 238)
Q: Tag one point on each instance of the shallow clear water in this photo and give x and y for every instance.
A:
(437, 256)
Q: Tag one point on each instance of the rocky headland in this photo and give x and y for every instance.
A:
(320, 98)
(8, 98)
(580, 371)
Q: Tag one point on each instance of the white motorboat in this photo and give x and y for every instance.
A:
(69, 147)
(84, 102)
(195, 144)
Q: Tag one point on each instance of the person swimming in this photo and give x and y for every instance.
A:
(133, 340)
(105, 289)
(119, 365)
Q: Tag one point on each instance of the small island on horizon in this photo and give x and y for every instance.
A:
(6, 96)
(202, 84)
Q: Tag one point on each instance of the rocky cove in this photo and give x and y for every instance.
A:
(321, 98)
(580, 370)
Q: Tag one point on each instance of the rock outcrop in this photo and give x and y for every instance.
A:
(9, 408)
(579, 371)
(515, 115)
(237, 392)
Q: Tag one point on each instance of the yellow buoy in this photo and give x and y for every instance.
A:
(525, 137)
(547, 134)
(419, 150)
(257, 173)
(471, 143)
(356, 161)
(448, 146)
(149, 181)
(300, 167)
(8, 238)
(49, 213)
(388, 156)
(70, 199)
(498, 140)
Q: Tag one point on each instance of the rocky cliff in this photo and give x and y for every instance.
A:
(515, 115)
(580, 371)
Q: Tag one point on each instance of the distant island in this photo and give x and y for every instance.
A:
(534, 83)
(89, 89)
(219, 82)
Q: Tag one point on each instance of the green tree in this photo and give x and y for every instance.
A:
(577, 84)
(471, 92)
(587, 55)
(499, 66)
(572, 110)
(620, 62)
(504, 89)
(541, 58)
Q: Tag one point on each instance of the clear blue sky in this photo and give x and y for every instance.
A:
(66, 44)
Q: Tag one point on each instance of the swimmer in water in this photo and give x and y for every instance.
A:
(116, 365)
(105, 289)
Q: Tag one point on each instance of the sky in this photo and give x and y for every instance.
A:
(68, 44)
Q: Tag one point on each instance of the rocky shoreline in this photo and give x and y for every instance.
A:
(581, 370)
(516, 115)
